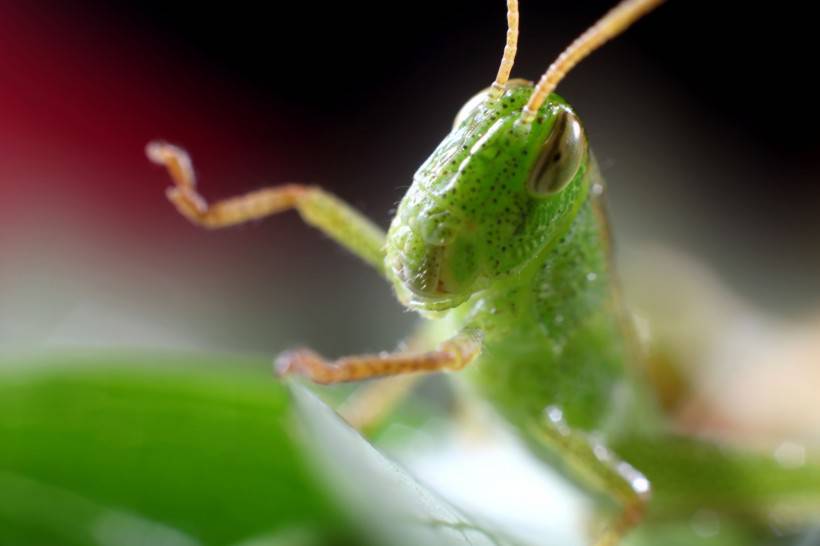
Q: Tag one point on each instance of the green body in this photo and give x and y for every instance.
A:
(535, 271)
(473, 247)
(560, 341)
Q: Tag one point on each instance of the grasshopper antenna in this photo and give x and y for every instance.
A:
(617, 20)
(510, 48)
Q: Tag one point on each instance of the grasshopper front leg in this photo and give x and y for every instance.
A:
(453, 354)
(318, 208)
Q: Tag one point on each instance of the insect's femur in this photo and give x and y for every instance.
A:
(610, 25)
(509, 50)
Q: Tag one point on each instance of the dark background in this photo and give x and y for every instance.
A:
(704, 117)
(337, 59)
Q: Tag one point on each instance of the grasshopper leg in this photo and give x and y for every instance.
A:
(453, 354)
(591, 462)
(318, 208)
(372, 403)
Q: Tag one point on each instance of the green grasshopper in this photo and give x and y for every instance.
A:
(502, 242)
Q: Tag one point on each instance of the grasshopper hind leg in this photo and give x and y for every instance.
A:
(593, 464)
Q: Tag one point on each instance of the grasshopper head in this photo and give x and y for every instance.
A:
(489, 198)
(505, 182)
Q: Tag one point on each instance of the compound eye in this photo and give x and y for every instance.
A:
(561, 156)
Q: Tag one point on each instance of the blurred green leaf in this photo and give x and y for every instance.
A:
(395, 509)
(104, 449)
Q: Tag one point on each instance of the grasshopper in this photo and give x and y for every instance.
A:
(502, 242)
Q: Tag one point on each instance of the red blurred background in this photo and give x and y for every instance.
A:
(703, 117)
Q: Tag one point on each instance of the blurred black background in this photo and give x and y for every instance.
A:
(752, 66)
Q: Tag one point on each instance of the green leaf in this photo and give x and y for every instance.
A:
(395, 509)
(121, 450)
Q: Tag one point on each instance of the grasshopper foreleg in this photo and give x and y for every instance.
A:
(453, 354)
(318, 208)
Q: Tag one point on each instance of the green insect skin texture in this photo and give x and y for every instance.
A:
(534, 276)
(532, 272)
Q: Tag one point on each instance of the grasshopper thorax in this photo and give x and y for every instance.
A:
(495, 192)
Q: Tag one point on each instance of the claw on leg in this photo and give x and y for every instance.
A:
(183, 193)
(176, 160)
(228, 212)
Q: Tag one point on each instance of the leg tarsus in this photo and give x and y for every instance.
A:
(189, 203)
(175, 159)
